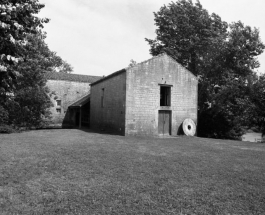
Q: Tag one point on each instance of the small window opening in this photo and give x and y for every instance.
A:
(58, 110)
(102, 97)
(165, 94)
(58, 102)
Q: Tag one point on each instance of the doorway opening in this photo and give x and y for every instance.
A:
(77, 118)
(165, 95)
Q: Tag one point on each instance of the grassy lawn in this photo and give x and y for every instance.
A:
(81, 172)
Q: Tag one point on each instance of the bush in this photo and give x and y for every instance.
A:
(3, 115)
(6, 129)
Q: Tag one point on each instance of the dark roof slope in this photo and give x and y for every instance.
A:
(80, 102)
(71, 77)
(109, 76)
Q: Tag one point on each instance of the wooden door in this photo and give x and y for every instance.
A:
(164, 122)
(161, 122)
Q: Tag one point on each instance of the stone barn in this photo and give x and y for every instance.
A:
(151, 98)
(70, 95)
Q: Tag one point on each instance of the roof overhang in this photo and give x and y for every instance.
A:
(80, 102)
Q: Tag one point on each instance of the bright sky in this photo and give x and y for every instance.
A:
(100, 37)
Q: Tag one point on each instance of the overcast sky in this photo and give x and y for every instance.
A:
(100, 37)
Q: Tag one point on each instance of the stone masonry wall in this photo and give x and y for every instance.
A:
(143, 95)
(68, 92)
(110, 117)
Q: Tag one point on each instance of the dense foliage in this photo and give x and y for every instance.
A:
(17, 20)
(25, 58)
(223, 56)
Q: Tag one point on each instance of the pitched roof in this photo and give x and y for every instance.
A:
(71, 77)
(80, 102)
(124, 70)
(109, 76)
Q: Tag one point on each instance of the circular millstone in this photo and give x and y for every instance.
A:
(189, 127)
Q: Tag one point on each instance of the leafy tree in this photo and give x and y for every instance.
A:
(188, 33)
(17, 20)
(232, 108)
(25, 58)
(257, 95)
(222, 56)
(227, 110)
(29, 105)
(242, 48)
(65, 67)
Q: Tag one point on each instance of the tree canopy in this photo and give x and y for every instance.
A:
(25, 59)
(17, 20)
(223, 56)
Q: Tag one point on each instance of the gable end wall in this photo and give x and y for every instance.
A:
(143, 95)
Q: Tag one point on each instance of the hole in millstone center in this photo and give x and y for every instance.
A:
(189, 127)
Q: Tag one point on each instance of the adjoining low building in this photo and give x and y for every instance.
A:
(79, 112)
(252, 136)
(70, 97)
(151, 98)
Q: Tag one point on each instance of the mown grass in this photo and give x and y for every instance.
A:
(81, 172)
